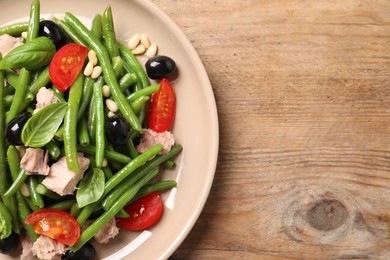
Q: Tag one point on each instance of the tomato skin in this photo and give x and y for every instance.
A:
(56, 224)
(162, 107)
(144, 213)
(66, 65)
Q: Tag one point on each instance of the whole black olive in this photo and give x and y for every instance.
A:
(117, 130)
(86, 252)
(160, 67)
(9, 244)
(52, 31)
(13, 130)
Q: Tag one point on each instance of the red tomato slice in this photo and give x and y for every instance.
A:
(56, 224)
(162, 107)
(66, 65)
(144, 213)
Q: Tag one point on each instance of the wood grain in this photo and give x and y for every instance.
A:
(303, 97)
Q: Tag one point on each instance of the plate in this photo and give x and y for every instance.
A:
(196, 123)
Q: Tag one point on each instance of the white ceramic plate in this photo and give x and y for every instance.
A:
(196, 123)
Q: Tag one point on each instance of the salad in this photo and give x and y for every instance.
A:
(83, 135)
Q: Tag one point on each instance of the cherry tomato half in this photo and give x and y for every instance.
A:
(56, 224)
(162, 107)
(144, 213)
(66, 65)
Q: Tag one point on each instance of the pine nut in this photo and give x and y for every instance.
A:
(110, 114)
(106, 91)
(92, 57)
(111, 105)
(24, 190)
(133, 42)
(151, 51)
(24, 35)
(145, 40)
(105, 162)
(88, 69)
(97, 70)
(140, 49)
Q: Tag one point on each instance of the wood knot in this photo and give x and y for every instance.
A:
(327, 214)
(320, 216)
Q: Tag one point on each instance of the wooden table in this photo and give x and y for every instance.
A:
(303, 96)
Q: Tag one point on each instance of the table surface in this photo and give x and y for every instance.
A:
(303, 97)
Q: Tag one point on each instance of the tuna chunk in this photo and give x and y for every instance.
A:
(110, 230)
(7, 43)
(44, 98)
(63, 181)
(151, 138)
(34, 161)
(26, 247)
(47, 248)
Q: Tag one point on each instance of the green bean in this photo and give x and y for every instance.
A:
(12, 78)
(92, 119)
(70, 32)
(20, 93)
(118, 177)
(108, 73)
(16, 183)
(14, 29)
(122, 214)
(147, 91)
(3, 163)
(170, 164)
(130, 59)
(31, 204)
(33, 23)
(27, 100)
(35, 196)
(117, 65)
(59, 95)
(83, 134)
(139, 103)
(13, 158)
(127, 80)
(96, 27)
(109, 33)
(119, 190)
(85, 213)
(75, 210)
(131, 147)
(9, 202)
(107, 172)
(23, 209)
(53, 149)
(41, 81)
(149, 188)
(132, 166)
(84, 102)
(108, 215)
(24, 212)
(132, 64)
(111, 155)
(129, 180)
(41, 189)
(7, 101)
(70, 122)
(100, 122)
(86, 97)
(63, 205)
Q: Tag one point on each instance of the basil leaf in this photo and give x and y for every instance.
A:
(31, 55)
(91, 187)
(42, 126)
(5, 222)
